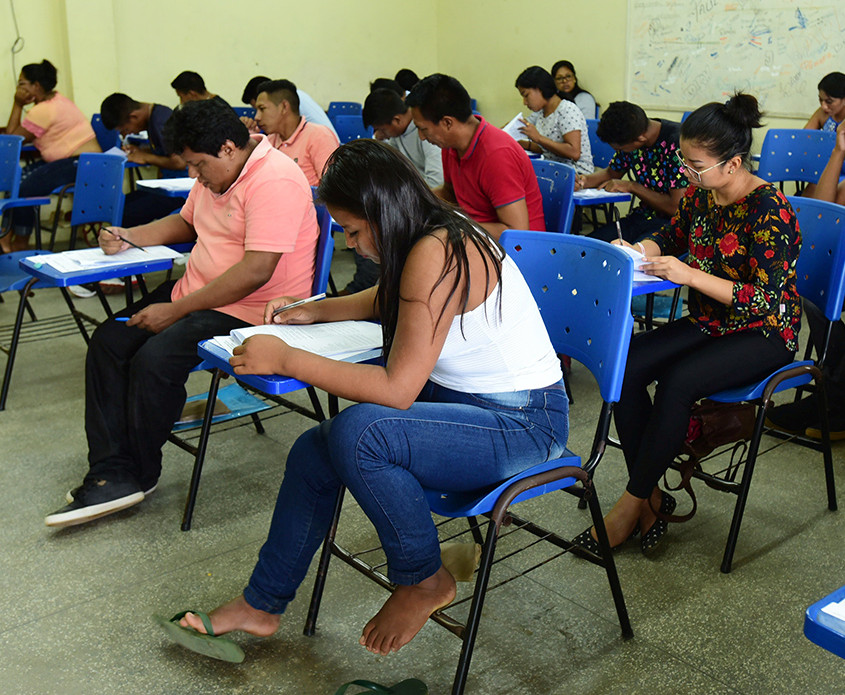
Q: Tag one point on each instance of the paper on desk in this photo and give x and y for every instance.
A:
(117, 151)
(90, 259)
(639, 275)
(180, 184)
(833, 616)
(513, 127)
(597, 193)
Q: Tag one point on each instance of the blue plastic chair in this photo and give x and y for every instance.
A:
(105, 138)
(821, 279)
(343, 108)
(602, 152)
(244, 111)
(583, 289)
(98, 192)
(351, 128)
(557, 184)
(794, 155)
(10, 181)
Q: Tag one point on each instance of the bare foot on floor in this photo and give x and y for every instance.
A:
(405, 612)
(236, 615)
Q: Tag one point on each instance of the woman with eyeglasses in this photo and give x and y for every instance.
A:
(742, 241)
(566, 82)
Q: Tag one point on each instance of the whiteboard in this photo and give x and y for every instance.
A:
(682, 53)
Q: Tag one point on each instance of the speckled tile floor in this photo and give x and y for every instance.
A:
(76, 604)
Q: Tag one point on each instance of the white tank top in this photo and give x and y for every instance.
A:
(499, 352)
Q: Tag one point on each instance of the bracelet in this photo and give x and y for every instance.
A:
(642, 248)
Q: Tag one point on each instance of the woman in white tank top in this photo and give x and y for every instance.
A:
(470, 394)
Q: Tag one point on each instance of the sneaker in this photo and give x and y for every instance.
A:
(71, 494)
(94, 499)
(794, 417)
(81, 291)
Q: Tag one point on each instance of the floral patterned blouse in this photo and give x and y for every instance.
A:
(755, 242)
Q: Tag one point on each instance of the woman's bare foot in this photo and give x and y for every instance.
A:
(236, 615)
(622, 519)
(648, 517)
(405, 612)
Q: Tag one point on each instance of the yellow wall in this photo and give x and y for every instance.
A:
(330, 48)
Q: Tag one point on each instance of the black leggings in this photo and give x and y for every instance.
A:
(687, 365)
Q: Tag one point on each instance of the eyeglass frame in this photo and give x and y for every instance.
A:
(565, 78)
(690, 170)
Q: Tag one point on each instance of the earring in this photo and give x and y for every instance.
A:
(730, 171)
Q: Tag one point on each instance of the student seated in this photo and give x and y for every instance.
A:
(387, 83)
(122, 113)
(484, 170)
(464, 344)
(556, 128)
(189, 86)
(568, 88)
(60, 133)
(646, 149)
(831, 111)
(253, 220)
(406, 78)
(744, 311)
(308, 108)
(277, 115)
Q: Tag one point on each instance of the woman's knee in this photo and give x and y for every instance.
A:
(355, 434)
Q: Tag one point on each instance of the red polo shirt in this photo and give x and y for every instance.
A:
(495, 171)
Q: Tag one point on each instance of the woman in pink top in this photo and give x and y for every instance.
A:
(59, 131)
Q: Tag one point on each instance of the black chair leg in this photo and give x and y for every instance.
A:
(475, 529)
(199, 459)
(13, 346)
(256, 421)
(826, 450)
(73, 312)
(323, 568)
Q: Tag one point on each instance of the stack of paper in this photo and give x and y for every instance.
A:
(833, 616)
(639, 275)
(513, 127)
(92, 259)
(182, 184)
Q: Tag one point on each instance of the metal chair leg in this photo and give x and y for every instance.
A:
(13, 346)
(323, 568)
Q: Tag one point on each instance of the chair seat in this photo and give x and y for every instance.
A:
(12, 278)
(755, 391)
(235, 398)
(9, 203)
(475, 502)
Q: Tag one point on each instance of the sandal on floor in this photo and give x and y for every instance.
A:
(658, 529)
(411, 686)
(215, 646)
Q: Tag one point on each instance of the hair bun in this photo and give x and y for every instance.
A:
(744, 110)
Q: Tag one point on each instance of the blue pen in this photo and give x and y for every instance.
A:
(123, 318)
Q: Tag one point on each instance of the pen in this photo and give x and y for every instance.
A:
(619, 233)
(108, 229)
(123, 318)
(315, 298)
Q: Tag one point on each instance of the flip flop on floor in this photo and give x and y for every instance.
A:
(411, 686)
(215, 646)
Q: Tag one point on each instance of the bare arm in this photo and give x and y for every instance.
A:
(354, 307)
(14, 127)
(511, 216)
(596, 179)
(446, 192)
(141, 156)
(666, 203)
(828, 186)
(816, 120)
(172, 229)
(569, 148)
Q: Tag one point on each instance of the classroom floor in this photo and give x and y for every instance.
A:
(76, 604)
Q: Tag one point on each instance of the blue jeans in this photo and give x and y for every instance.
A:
(447, 440)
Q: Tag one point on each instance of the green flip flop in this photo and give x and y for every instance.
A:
(215, 646)
(411, 686)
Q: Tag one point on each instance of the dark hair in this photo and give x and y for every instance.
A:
(116, 108)
(724, 130)
(280, 90)
(536, 77)
(381, 106)
(576, 90)
(833, 85)
(621, 123)
(251, 89)
(374, 182)
(439, 95)
(203, 126)
(386, 83)
(44, 73)
(406, 79)
(188, 81)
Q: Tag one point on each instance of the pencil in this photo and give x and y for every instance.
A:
(108, 229)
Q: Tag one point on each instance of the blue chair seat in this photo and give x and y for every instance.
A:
(12, 278)
(9, 203)
(752, 392)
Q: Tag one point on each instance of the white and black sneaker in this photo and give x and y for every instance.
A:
(70, 495)
(95, 499)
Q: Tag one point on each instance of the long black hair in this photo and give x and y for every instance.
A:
(577, 89)
(372, 181)
(724, 130)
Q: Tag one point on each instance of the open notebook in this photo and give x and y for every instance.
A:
(639, 275)
(350, 341)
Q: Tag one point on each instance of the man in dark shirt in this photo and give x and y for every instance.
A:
(645, 149)
(189, 86)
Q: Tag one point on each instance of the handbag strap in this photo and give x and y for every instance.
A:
(687, 466)
(375, 687)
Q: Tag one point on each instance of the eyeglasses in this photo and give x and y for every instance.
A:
(565, 78)
(696, 175)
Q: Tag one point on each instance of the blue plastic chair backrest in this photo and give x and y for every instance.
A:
(242, 111)
(794, 154)
(351, 128)
(344, 108)
(10, 164)
(821, 264)
(98, 190)
(685, 115)
(583, 289)
(602, 152)
(105, 138)
(325, 250)
(557, 186)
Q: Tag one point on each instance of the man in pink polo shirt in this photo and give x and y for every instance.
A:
(485, 171)
(253, 220)
(307, 144)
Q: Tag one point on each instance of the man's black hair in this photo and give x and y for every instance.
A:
(406, 78)
(279, 90)
(386, 83)
(381, 106)
(439, 95)
(188, 81)
(116, 108)
(251, 89)
(203, 126)
(621, 123)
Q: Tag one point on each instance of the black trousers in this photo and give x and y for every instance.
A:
(634, 227)
(135, 388)
(687, 365)
(834, 366)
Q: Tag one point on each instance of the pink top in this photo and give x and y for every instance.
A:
(269, 208)
(310, 146)
(59, 127)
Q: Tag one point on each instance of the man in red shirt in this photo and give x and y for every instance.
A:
(485, 171)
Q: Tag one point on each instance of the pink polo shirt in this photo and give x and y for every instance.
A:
(494, 171)
(269, 208)
(310, 146)
(59, 127)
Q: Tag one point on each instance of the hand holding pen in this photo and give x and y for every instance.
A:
(111, 241)
(276, 309)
